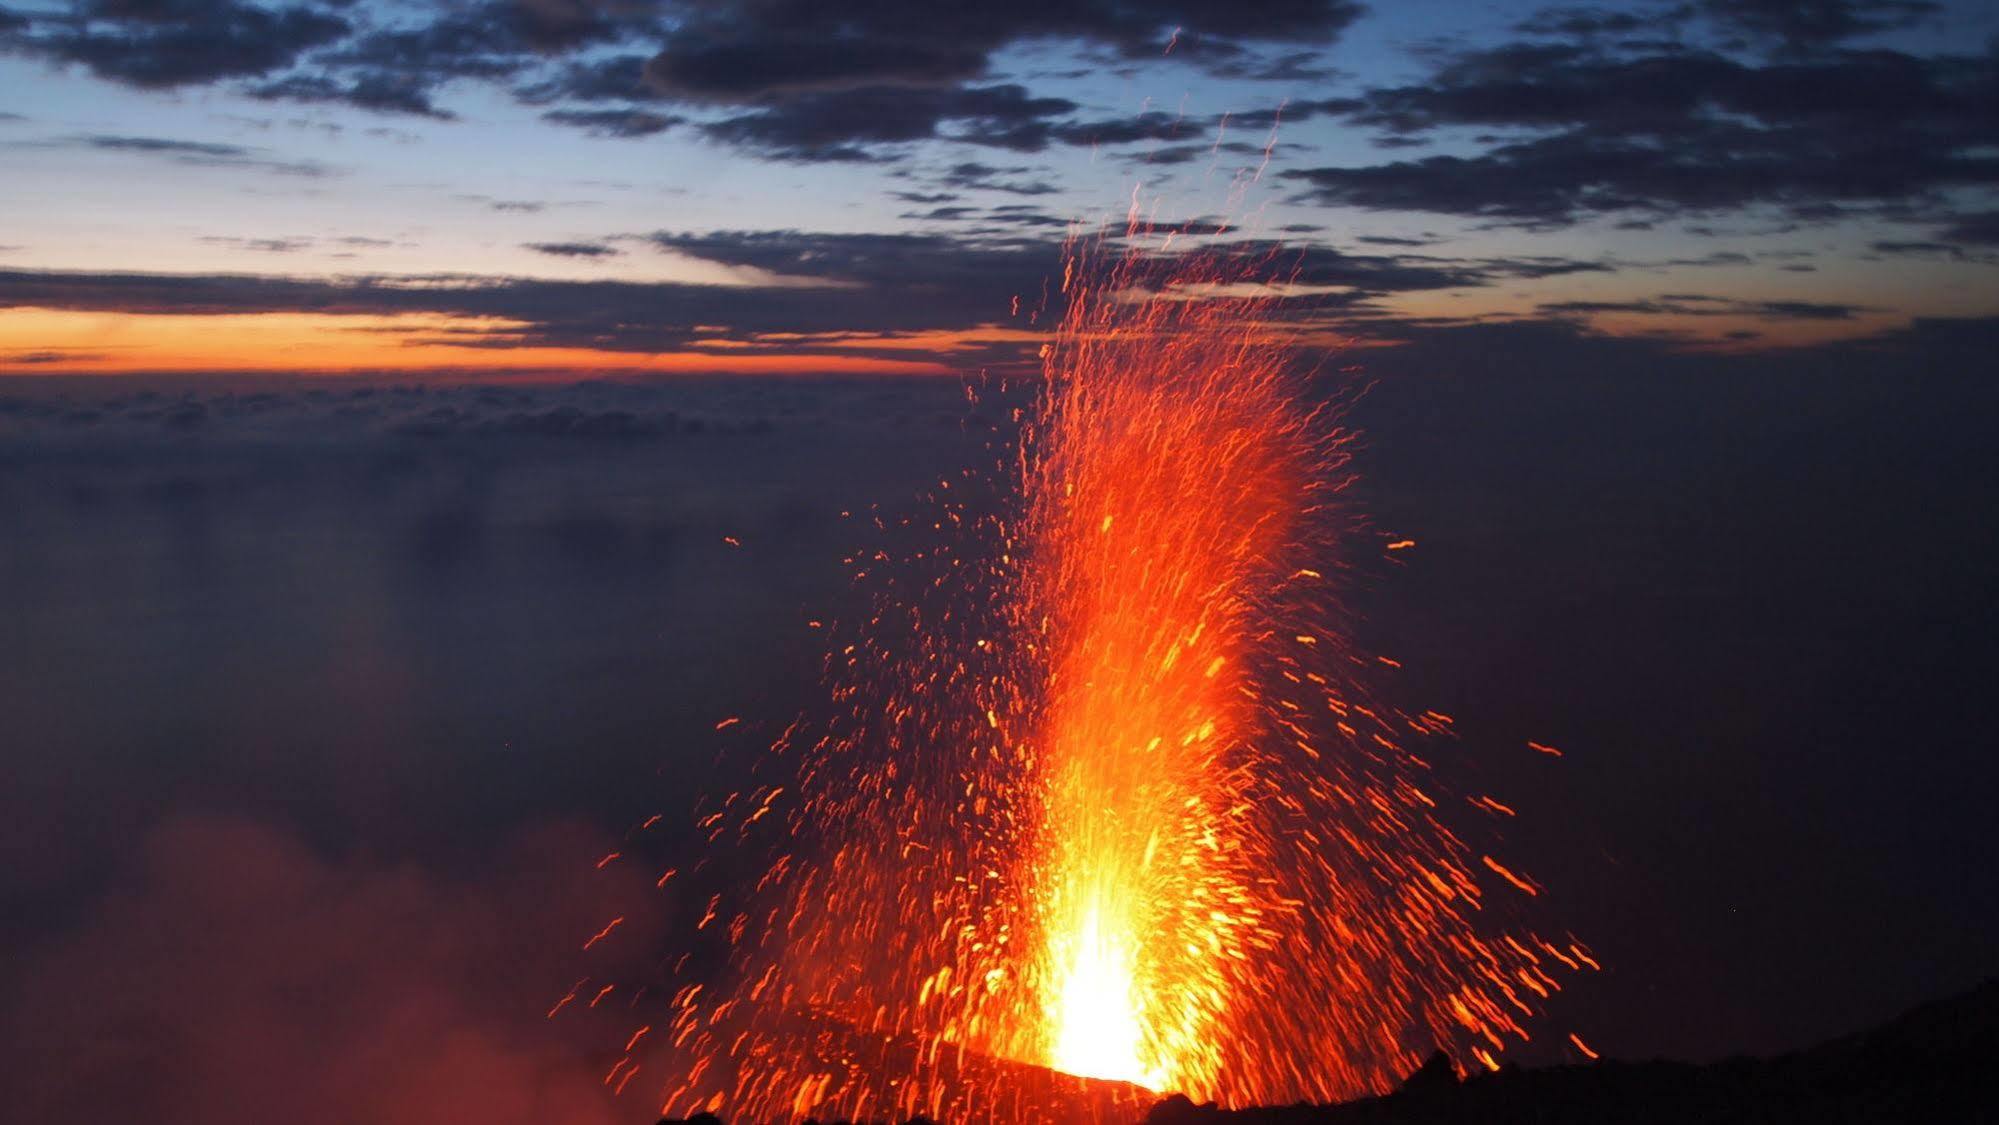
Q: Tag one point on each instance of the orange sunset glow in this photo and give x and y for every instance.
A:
(48, 342)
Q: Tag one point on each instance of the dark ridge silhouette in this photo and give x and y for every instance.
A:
(1933, 1065)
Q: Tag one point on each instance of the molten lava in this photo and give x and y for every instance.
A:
(1104, 791)
(1095, 1016)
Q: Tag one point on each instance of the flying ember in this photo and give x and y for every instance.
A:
(1103, 809)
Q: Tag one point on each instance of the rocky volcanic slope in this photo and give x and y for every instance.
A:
(1936, 1065)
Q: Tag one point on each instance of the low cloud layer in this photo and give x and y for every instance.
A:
(305, 680)
(238, 975)
(326, 701)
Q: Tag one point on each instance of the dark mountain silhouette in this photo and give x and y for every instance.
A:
(1935, 1065)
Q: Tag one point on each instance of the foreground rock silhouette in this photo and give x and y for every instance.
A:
(1935, 1065)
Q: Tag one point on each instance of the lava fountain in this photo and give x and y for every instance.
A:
(1168, 486)
(1104, 792)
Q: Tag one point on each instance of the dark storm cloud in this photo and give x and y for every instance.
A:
(482, 42)
(751, 69)
(164, 43)
(1296, 112)
(1159, 128)
(1373, 275)
(898, 261)
(819, 118)
(378, 92)
(574, 249)
(259, 245)
(1804, 24)
(1575, 128)
(1368, 273)
(942, 214)
(196, 153)
(615, 122)
(751, 50)
(1585, 22)
(556, 25)
(973, 175)
(614, 78)
(1566, 344)
(1021, 215)
(840, 126)
(1895, 248)
(200, 150)
(1664, 93)
(340, 57)
(1153, 125)
(1979, 229)
(1539, 267)
(1793, 26)
(812, 82)
(399, 70)
(1170, 155)
(1695, 304)
(1286, 66)
(793, 80)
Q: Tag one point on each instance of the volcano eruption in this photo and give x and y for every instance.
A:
(1104, 792)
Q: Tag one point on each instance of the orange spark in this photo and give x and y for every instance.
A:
(571, 995)
(605, 932)
(1509, 876)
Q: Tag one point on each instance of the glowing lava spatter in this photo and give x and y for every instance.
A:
(1104, 791)
(1168, 487)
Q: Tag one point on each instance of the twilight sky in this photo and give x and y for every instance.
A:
(791, 185)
